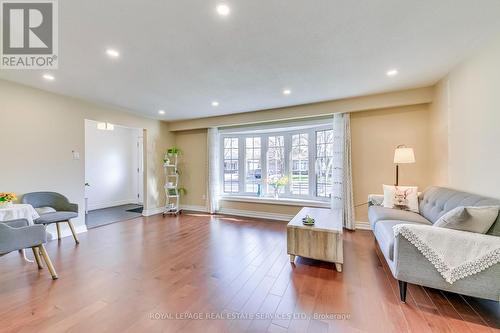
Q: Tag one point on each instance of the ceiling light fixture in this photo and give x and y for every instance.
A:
(215, 103)
(392, 72)
(223, 10)
(287, 92)
(112, 53)
(161, 111)
(48, 77)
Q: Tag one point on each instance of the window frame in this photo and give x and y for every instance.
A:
(264, 135)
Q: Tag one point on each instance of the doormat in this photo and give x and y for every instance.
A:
(136, 210)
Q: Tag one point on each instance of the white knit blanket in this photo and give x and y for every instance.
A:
(455, 254)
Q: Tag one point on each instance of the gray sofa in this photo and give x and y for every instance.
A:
(407, 264)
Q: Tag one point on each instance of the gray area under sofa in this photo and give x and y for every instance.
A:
(407, 264)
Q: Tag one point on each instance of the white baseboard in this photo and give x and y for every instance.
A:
(152, 211)
(101, 205)
(256, 214)
(361, 225)
(195, 208)
(66, 231)
(159, 210)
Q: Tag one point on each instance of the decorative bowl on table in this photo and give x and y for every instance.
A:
(308, 220)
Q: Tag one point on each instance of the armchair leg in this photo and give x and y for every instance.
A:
(38, 260)
(48, 262)
(73, 232)
(402, 290)
(58, 231)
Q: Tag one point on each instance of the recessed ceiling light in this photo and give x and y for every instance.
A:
(287, 92)
(112, 53)
(48, 77)
(161, 111)
(223, 9)
(392, 72)
(215, 103)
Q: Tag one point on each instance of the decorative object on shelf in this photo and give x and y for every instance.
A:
(277, 183)
(6, 199)
(308, 220)
(402, 155)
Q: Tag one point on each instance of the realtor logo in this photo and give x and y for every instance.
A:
(29, 34)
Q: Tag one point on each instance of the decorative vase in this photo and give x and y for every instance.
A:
(5, 204)
(276, 192)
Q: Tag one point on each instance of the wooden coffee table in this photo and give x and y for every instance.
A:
(322, 241)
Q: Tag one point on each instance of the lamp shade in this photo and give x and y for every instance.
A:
(404, 155)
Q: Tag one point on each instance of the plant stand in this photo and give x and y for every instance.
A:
(172, 204)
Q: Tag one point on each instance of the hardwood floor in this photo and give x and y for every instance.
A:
(131, 276)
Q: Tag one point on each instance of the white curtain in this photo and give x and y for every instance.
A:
(213, 169)
(342, 196)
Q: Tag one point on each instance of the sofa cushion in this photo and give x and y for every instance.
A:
(377, 213)
(385, 235)
(45, 210)
(472, 219)
(55, 217)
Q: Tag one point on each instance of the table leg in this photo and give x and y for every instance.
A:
(338, 267)
(292, 258)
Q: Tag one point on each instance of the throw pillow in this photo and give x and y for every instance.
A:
(401, 197)
(472, 219)
(45, 210)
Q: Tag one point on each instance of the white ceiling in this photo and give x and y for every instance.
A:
(181, 55)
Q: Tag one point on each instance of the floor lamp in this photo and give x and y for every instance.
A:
(402, 155)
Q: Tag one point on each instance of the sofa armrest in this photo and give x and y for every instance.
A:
(69, 207)
(410, 265)
(375, 199)
(16, 223)
(13, 239)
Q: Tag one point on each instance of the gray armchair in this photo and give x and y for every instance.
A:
(62, 209)
(18, 235)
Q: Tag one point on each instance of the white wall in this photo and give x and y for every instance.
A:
(468, 100)
(41, 129)
(111, 162)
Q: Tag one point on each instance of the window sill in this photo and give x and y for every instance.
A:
(279, 201)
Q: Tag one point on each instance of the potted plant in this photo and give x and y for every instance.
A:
(6, 199)
(277, 183)
(179, 191)
(173, 151)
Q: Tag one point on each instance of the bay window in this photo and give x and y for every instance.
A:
(302, 153)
